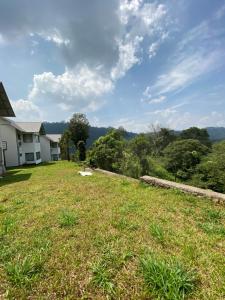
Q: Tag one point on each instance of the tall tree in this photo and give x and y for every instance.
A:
(79, 129)
(64, 145)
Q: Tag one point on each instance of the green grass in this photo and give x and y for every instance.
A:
(67, 219)
(64, 236)
(167, 279)
(157, 232)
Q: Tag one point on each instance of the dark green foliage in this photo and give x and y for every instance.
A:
(82, 150)
(183, 156)
(159, 139)
(94, 132)
(167, 279)
(140, 145)
(65, 145)
(107, 151)
(196, 133)
(79, 128)
(211, 172)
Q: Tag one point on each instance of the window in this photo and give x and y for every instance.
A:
(38, 155)
(54, 157)
(28, 138)
(54, 145)
(29, 156)
(37, 138)
(1, 160)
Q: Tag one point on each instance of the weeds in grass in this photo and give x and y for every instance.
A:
(2, 209)
(167, 279)
(8, 224)
(23, 272)
(157, 232)
(125, 182)
(211, 228)
(77, 199)
(212, 215)
(130, 207)
(102, 278)
(190, 251)
(124, 224)
(68, 219)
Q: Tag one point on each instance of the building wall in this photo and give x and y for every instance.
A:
(45, 149)
(8, 134)
(32, 147)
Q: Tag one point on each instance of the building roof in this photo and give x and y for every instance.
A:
(29, 127)
(54, 137)
(5, 106)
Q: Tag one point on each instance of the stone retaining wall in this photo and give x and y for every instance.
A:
(218, 197)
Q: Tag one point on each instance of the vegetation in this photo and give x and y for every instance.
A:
(167, 279)
(79, 133)
(64, 236)
(65, 145)
(183, 156)
(188, 157)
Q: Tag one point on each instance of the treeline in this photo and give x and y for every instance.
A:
(94, 132)
(188, 157)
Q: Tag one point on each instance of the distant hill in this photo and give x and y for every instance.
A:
(95, 132)
(216, 133)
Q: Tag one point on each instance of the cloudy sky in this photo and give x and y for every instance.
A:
(131, 63)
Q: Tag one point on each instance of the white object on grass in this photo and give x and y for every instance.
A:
(85, 173)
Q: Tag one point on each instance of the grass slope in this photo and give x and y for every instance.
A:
(63, 236)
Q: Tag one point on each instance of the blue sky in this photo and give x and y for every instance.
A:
(123, 63)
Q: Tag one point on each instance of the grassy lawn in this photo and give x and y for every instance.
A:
(63, 236)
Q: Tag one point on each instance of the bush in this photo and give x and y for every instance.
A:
(183, 156)
(211, 171)
(107, 151)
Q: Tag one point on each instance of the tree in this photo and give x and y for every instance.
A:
(82, 150)
(211, 171)
(160, 138)
(140, 145)
(107, 151)
(182, 157)
(79, 129)
(197, 134)
(64, 145)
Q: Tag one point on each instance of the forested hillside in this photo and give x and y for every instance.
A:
(94, 132)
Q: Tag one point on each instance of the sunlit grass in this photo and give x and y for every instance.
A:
(64, 236)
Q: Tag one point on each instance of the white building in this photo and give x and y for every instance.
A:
(5, 111)
(23, 142)
(50, 149)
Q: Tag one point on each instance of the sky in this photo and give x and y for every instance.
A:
(135, 64)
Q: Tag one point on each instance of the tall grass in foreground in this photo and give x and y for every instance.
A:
(167, 279)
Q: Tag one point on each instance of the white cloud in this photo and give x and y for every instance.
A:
(78, 89)
(26, 110)
(127, 57)
(186, 71)
(97, 48)
(152, 50)
(148, 97)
